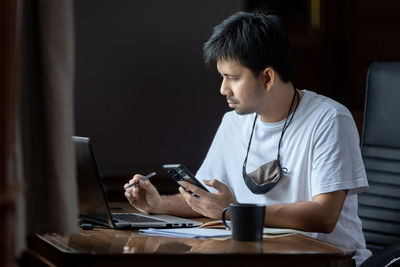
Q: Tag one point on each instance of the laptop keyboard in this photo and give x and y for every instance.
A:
(134, 218)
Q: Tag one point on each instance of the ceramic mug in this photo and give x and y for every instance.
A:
(247, 221)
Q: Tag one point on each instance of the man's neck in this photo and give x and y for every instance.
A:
(278, 101)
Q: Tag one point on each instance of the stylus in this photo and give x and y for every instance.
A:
(148, 176)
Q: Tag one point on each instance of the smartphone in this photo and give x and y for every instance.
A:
(180, 173)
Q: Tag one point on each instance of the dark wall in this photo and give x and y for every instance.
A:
(143, 94)
(145, 98)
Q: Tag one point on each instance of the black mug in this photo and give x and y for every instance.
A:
(247, 221)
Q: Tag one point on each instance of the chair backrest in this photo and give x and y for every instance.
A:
(379, 206)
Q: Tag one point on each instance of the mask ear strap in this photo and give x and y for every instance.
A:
(251, 137)
(287, 123)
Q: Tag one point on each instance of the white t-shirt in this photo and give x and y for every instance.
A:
(320, 150)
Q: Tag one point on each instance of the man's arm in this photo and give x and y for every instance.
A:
(176, 205)
(319, 215)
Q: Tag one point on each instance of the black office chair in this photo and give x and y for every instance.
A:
(390, 256)
(379, 206)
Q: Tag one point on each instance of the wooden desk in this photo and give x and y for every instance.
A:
(108, 247)
(104, 247)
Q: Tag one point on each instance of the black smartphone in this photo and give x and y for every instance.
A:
(180, 173)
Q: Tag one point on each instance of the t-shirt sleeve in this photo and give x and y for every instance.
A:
(213, 166)
(336, 161)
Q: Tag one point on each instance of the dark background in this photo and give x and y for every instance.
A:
(145, 98)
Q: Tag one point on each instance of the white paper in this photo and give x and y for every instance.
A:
(283, 231)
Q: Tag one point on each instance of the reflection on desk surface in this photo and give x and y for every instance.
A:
(108, 241)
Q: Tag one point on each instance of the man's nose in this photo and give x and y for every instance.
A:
(224, 89)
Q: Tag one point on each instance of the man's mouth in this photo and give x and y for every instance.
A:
(231, 104)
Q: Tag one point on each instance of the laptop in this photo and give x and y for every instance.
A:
(93, 204)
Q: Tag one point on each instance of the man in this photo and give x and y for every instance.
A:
(293, 150)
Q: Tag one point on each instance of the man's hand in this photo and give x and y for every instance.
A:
(143, 196)
(208, 204)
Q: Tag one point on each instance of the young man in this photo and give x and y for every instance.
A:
(293, 150)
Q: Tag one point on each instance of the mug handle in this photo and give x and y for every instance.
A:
(223, 218)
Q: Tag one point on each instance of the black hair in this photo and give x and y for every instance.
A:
(256, 40)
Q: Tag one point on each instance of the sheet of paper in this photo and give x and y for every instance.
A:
(283, 231)
(188, 232)
(267, 230)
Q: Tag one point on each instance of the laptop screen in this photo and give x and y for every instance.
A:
(93, 204)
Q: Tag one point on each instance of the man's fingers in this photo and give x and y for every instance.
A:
(148, 187)
(132, 192)
(137, 176)
(221, 187)
(134, 179)
(195, 189)
(130, 198)
(194, 202)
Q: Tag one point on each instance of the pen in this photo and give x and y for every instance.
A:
(148, 176)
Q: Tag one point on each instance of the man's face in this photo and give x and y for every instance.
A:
(242, 89)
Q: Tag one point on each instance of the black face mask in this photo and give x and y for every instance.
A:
(265, 177)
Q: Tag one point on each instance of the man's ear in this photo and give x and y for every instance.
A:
(268, 78)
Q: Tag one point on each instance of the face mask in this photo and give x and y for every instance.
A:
(265, 177)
